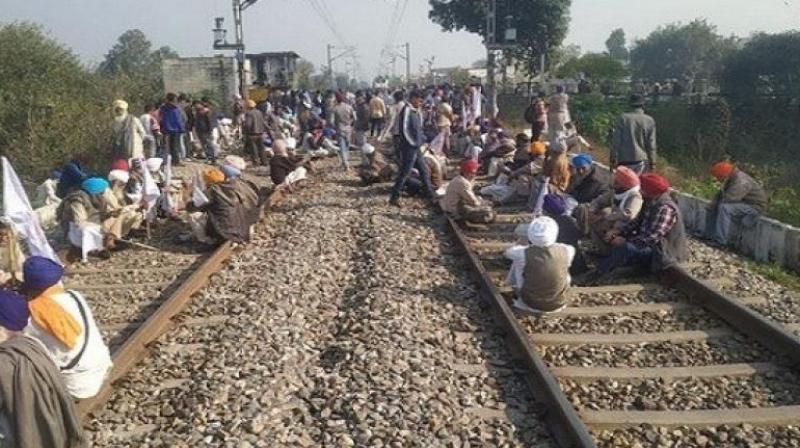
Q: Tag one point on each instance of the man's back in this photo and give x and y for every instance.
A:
(343, 117)
(634, 137)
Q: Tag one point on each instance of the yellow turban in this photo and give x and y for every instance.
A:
(213, 176)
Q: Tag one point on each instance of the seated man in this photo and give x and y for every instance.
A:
(435, 167)
(63, 322)
(46, 191)
(11, 256)
(503, 153)
(613, 210)
(656, 238)
(378, 169)
(35, 409)
(460, 202)
(540, 271)
(92, 219)
(740, 200)
(516, 184)
(587, 182)
(230, 208)
(284, 170)
(118, 181)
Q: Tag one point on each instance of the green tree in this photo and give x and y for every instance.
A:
(459, 76)
(541, 25)
(595, 66)
(133, 59)
(617, 45)
(695, 50)
(767, 65)
(303, 71)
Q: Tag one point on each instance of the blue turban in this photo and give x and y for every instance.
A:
(14, 312)
(582, 161)
(71, 177)
(230, 172)
(94, 185)
(328, 132)
(554, 205)
(40, 273)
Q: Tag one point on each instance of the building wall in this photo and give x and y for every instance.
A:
(202, 74)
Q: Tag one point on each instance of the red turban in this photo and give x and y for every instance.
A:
(722, 170)
(653, 185)
(625, 177)
(469, 166)
(119, 164)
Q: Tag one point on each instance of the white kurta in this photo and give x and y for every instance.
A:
(87, 377)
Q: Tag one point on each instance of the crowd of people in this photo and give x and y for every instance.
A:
(587, 220)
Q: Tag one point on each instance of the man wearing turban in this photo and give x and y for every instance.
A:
(36, 409)
(540, 270)
(93, 219)
(587, 181)
(232, 207)
(613, 210)
(63, 322)
(128, 133)
(656, 239)
(740, 200)
(459, 200)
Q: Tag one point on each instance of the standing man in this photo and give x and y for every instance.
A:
(128, 133)
(410, 139)
(362, 125)
(633, 141)
(205, 124)
(344, 117)
(444, 121)
(149, 125)
(377, 108)
(173, 126)
(536, 116)
(253, 129)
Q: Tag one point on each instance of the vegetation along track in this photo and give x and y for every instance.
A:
(648, 364)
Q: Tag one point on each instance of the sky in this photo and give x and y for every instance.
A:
(90, 27)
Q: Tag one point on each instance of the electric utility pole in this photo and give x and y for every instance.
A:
(221, 42)
(492, 45)
(394, 54)
(348, 51)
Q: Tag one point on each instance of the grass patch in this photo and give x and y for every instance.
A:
(777, 274)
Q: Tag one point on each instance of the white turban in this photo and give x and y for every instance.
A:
(154, 164)
(291, 142)
(235, 161)
(120, 176)
(543, 232)
(120, 104)
(367, 149)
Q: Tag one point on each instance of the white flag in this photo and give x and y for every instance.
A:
(166, 197)
(199, 197)
(17, 209)
(150, 193)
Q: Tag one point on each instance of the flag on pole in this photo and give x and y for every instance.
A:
(18, 211)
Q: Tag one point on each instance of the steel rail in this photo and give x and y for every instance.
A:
(772, 335)
(564, 423)
(134, 349)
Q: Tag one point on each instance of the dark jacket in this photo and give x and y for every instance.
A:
(568, 233)
(172, 119)
(586, 188)
(673, 249)
(205, 123)
(34, 399)
(254, 122)
(233, 207)
(413, 134)
(280, 167)
(362, 117)
(740, 187)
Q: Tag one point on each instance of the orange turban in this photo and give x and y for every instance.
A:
(625, 177)
(469, 166)
(213, 176)
(653, 185)
(721, 170)
(538, 148)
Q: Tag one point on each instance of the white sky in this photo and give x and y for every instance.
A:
(91, 27)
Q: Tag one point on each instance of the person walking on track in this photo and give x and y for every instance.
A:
(411, 138)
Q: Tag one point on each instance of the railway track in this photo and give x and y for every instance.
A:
(645, 364)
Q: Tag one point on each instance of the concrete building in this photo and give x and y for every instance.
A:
(214, 76)
(275, 69)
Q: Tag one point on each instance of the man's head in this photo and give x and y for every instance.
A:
(150, 107)
(653, 185)
(213, 176)
(560, 89)
(279, 146)
(636, 101)
(120, 107)
(40, 273)
(554, 205)
(94, 186)
(538, 149)
(398, 96)
(250, 104)
(582, 163)
(625, 179)
(172, 98)
(469, 168)
(543, 232)
(339, 97)
(14, 314)
(416, 98)
(722, 170)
